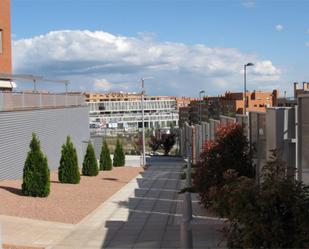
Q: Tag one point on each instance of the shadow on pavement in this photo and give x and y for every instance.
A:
(151, 217)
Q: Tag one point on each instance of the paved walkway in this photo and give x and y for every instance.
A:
(146, 213)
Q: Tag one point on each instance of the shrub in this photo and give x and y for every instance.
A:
(167, 142)
(229, 151)
(119, 156)
(154, 143)
(273, 214)
(36, 175)
(68, 171)
(90, 164)
(105, 158)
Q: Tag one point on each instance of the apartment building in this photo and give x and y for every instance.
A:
(5, 44)
(123, 111)
(230, 104)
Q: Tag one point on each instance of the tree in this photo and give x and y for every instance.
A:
(154, 143)
(68, 171)
(36, 175)
(105, 157)
(229, 152)
(90, 164)
(119, 156)
(167, 142)
(273, 214)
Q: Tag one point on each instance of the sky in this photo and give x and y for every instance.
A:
(185, 45)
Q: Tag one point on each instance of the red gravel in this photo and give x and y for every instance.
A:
(6, 246)
(68, 203)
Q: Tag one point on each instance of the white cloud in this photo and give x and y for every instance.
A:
(307, 44)
(105, 61)
(102, 84)
(279, 27)
(248, 3)
(307, 31)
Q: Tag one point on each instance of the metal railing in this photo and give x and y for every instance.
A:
(12, 101)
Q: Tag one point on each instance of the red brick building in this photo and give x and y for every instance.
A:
(228, 104)
(5, 37)
(5, 44)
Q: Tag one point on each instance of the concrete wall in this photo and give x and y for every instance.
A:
(51, 126)
(303, 138)
(273, 130)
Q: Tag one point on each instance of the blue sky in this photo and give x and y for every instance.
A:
(271, 33)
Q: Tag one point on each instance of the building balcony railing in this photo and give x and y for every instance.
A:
(13, 101)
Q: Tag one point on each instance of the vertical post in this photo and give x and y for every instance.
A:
(40, 97)
(245, 88)
(186, 239)
(1, 101)
(298, 165)
(34, 85)
(143, 128)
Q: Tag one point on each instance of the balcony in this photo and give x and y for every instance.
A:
(14, 101)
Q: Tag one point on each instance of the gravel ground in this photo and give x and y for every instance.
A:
(67, 203)
(5, 246)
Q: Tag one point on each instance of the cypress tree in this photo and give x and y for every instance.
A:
(36, 175)
(68, 171)
(116, 159)
(119, 156)
(105, 157)
(122, 156)
(90, 164)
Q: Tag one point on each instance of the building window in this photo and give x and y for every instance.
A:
(1, 35)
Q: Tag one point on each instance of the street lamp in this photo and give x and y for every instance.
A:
(245, 84)
(200, 106)
(143, 125)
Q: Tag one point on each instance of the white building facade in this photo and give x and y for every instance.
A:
(126, 114)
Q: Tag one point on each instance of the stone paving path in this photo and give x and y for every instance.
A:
(146, 213)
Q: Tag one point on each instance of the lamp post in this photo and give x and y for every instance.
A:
(143, 125)
(245, 84)
(200, 106)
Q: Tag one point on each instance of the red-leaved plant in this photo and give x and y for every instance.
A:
(230, 151)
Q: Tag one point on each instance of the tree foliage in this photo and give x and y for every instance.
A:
(105, 157)
(167, 142)
(154, 143)
(119, 155)
(90, 165)
(274, 214)
(68, 171)
(229, 152)
(36, 175)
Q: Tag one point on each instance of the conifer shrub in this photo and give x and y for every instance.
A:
(36, 175)
(119, 156)
(68, 171)
(90, 164)
(105, 157)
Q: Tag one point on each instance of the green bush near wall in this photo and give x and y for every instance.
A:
(119, 155)
(105, 158)
(68, 171)
(36, 175)
(90, 165)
